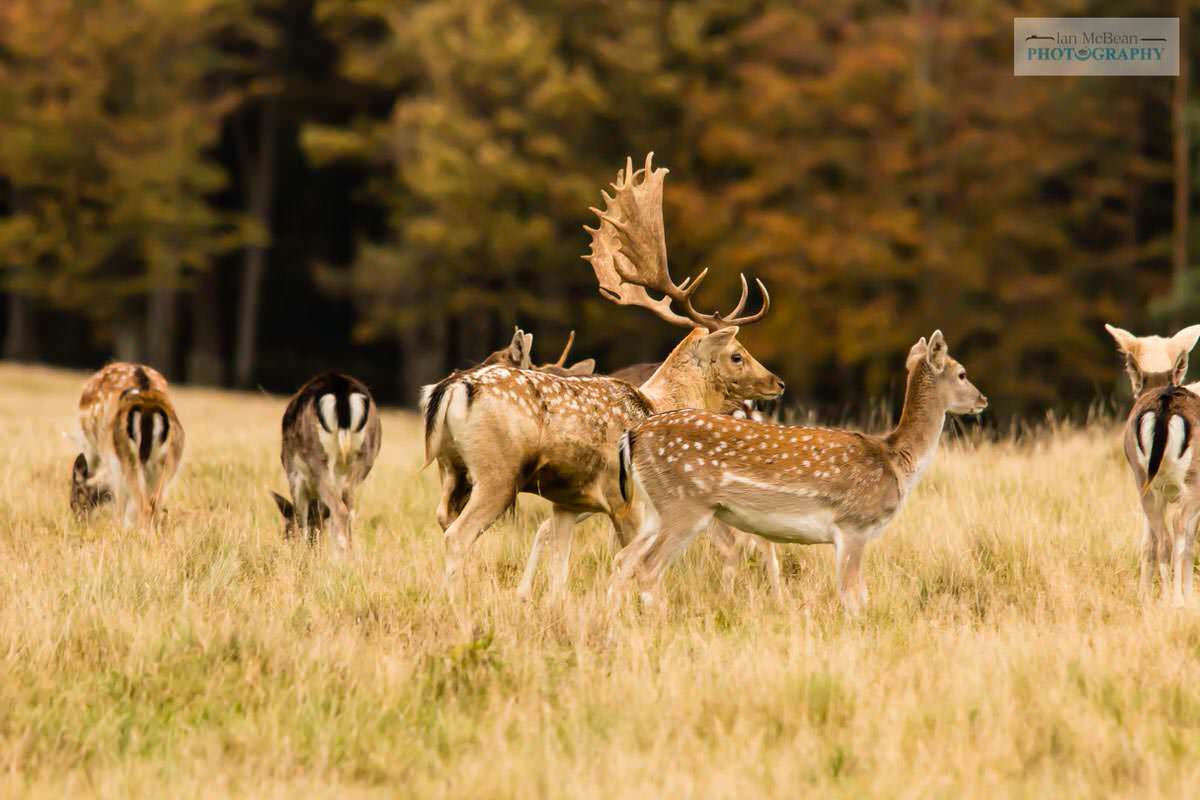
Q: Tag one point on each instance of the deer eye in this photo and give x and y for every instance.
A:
(962, 376)
(736, 358)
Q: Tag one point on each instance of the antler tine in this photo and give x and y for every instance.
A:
(562, 359)
(741, 303)
(733, 319)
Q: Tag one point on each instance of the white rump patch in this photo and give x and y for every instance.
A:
(358, 409)
(1145, 437)
(327, 408)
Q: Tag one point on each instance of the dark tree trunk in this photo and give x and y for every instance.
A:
(162, 330)
(1179, 255)
(205, 365)
(19, 336)
(259, 166)
(422, 358)
(129, 339)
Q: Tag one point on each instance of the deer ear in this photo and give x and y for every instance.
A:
(1179, 370)
(915, 353)
(520, 351)
(585, 367)
(1125, 339)
(716, 341)
(1185, 340)
(527, 352)
(79, 471)
(936, 357)
(285, 506)
(1135, 374)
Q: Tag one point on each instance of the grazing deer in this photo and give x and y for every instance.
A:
(1157, 438)
(789, 484)
(331, 436)
(496, 431)
(132, 443)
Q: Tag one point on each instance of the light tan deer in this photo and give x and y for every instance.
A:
(132, 443)
(1158, 437)
(496, 431)
(787, 484)
(331, 437)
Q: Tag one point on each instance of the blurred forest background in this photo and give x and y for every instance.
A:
(241, 192)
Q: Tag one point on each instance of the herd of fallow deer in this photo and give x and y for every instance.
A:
(665, 451)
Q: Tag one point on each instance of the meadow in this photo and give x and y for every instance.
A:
(1004, 650)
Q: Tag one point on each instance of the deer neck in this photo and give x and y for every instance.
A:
(915, 438)
(681, 381)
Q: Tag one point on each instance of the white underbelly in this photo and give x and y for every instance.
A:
(791, 526)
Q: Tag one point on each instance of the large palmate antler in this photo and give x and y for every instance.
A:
(629, 254)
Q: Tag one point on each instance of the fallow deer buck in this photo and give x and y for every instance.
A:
(496, 431)
(331, 437)
(788, 484)
(132, 443)
(1159, 443)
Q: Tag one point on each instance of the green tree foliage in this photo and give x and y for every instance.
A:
(877, 164)
(107, 119)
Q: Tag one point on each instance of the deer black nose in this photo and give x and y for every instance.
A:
(782, 385)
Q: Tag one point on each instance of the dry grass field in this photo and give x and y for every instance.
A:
(1004, 651)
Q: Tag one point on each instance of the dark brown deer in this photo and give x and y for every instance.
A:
(331, 437)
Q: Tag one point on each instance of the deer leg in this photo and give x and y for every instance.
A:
(851, 588)
(1146, 567)
(562, 530)
(300, 502)
(664, 550)
(1178, 542)
(725, 540)
(1189, 564)
(488, 501)
(1162, 557)
(456, 490)
(525, 590)
(340, 535)
(772, 558)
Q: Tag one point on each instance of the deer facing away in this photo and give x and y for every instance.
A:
(1159, 439)
(496, 431)
(787, 484)
(132, 443)
(331, 437)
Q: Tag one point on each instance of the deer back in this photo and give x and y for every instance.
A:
(768, 476)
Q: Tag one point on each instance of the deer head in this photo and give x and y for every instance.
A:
(946, 378)
(318, 515)
(518, 354)
(1153, 361)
